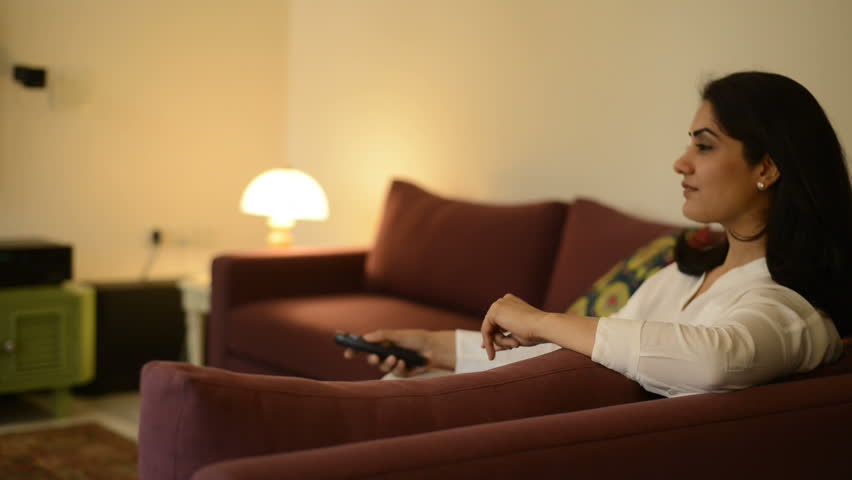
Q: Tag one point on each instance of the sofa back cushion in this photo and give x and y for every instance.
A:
(462, 255)
(594, 239)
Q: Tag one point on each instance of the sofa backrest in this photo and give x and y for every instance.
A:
(461, 255)
(594, 238)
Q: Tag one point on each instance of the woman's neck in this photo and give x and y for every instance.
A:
(748, 225)
(741, 253)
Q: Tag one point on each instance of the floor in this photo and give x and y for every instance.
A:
(118, 412)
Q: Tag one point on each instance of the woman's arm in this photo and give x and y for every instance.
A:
(511, 322)
(754, 343)
(666, 358)
(571, 331)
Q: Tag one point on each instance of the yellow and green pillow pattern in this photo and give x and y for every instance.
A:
(612, 290)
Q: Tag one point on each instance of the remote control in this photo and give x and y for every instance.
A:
(383, 350)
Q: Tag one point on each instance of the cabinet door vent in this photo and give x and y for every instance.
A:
(39, 340)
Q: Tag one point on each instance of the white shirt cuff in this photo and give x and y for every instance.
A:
(470, 356)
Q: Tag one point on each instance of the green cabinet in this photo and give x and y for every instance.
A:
(47, 339)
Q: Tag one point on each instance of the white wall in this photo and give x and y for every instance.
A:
(511, 100)
(158, 113)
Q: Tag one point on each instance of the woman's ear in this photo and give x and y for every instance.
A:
(768, 172)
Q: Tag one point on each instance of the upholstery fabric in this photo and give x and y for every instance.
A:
(595, 238)
(463, 255)
(193, 416)
(241, 278)
(297, 335)
(790, 431)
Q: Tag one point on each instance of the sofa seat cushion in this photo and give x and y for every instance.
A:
(462, 255)
(297, 335)
(594, 239)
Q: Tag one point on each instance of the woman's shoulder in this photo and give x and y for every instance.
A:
(766, 291)
(788, 314)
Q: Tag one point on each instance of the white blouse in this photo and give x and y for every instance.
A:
(744, 330)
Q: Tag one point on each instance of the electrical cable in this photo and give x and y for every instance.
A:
(156, 243)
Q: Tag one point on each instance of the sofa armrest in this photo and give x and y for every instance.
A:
(250, 276)
(243, 277)
(793, 430)
(194, 416)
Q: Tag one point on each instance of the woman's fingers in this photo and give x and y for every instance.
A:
(400, 370)
(415, 340)
(490, 347)
(506, 342)
(376, 336)
(487, 332)
(498, 343)
(388, 364)
(494, 336)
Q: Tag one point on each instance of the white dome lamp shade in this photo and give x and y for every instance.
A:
(284, 195)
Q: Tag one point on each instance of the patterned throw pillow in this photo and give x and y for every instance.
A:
(612, 291)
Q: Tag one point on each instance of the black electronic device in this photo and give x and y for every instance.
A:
(30, 262)
(383, 350)
(32, 77)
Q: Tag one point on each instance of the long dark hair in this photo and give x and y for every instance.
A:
(809, 226)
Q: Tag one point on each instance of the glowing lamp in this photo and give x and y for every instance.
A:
(284, 195)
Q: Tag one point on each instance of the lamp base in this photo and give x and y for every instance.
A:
(279, 237)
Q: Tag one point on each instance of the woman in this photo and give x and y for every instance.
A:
(765, 163)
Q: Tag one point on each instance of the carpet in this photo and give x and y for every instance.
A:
(79, 452)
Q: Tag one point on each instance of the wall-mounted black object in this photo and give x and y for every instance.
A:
(25, 262)
(30, 77)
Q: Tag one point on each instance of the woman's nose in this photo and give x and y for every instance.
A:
(682, 165)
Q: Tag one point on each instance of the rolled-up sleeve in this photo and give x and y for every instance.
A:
(617, 345)
(754, 344)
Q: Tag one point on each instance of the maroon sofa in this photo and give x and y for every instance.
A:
(439, 263)
(436, 263)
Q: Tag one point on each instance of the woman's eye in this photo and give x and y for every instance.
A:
(702, 147)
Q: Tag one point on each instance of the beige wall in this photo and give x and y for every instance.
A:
(512, 100)
(158, 113)
(163, 110)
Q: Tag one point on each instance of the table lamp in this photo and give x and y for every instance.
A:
(284, 195)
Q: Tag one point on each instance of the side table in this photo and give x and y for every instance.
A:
(195, 297)
(47, 335)
(138, 321)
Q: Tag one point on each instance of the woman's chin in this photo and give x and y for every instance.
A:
(693, 214)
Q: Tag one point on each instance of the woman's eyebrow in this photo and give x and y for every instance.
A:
(703, 130)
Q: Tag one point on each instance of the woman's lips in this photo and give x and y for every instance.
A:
(687, 188)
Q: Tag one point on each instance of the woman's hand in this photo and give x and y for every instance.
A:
(511, 323)
(438, 347)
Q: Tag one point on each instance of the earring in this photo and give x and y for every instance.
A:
(761, 186)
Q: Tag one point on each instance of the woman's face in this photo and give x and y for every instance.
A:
(718, 185)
